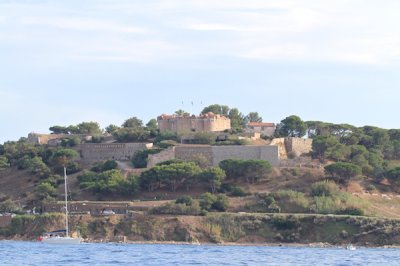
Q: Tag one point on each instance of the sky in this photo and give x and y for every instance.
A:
(67, 62)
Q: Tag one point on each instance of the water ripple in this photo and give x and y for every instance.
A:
(35, 253)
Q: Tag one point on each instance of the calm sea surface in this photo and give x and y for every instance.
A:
(34, 253)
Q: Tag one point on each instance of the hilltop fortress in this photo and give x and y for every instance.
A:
(209, 122)
(277, 150)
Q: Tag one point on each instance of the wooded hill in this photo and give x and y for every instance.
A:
(367, 156)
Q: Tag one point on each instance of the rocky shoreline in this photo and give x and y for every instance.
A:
(217, 229)
(299, 245)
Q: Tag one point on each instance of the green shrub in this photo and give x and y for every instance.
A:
(165, 144)
(9, 206)
(285, 222)
(72, 167)
(232, 190)
(70, 142)
(206, 201)
(24, 162)
(187, 200)
(4, 163)
(97, 139)
(370, 187)
(104, 166)
(139, 159)
(39, 168)
(238, 192)
(177, 209)
(324, 188)
(233, 141)
(209, 202)
(166, 136)
(326, 205)
(342, 171)
(291, 201)
(45, 190)
(351, 211)
(265, 203)
(221, 203)
(225, 225)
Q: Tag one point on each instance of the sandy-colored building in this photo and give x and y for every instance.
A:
(267, 129)
(209, 122)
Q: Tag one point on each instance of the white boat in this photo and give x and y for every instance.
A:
(61, 236)
(350, 247)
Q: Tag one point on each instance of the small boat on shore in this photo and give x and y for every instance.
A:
(61, 236)
(350, 247)
(58, 237)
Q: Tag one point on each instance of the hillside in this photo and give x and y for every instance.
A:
(19, 186)
(339, 173)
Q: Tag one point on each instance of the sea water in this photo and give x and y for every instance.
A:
(36, 253)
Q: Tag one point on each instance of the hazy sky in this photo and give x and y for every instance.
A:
(65, 62)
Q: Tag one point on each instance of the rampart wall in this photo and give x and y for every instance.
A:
(259, 152)
(212, 155)
(201, 153)
(298, 146)
(280, 143)
(111, 151)
(45, 138)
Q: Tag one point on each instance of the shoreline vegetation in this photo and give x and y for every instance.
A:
(261, 229)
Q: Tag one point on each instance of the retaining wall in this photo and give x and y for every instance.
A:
(212, 155)
(262, 152)
(111, 151)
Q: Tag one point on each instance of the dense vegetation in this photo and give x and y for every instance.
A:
(366, 153)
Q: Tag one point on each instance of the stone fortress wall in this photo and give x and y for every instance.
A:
(204, 123)
(280, 143)
(212, 155)
(111, 151)
(255, 152)
(202, 153)
(297, 146)
(37, 138)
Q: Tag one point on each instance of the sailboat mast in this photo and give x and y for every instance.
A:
(66, 204)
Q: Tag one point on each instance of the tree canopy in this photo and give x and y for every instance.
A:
(342, 171)
(133, 122)
(291, 126)
(253, 117)
(216, 109)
